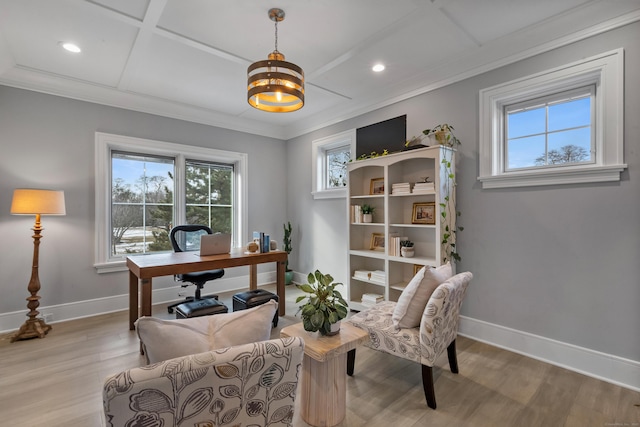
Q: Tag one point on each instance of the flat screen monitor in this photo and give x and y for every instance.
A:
(390, 134)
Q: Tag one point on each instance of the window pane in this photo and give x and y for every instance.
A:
(126, 226)
(528, 122)
(522, 152)
(570, 146)
(209, 195)
(570, 114)
(336, 173)
(142, 203)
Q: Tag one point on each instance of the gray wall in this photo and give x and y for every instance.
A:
(48, 142)
(560, 262)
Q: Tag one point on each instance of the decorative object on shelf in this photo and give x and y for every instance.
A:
(424, 213)
(29, 201)
(367, 213)
(377, 242)
(275, 85)
(443, 135)
(376, 186)
(372, 155)
(416, 268)
(324, 307)
(406, 249)
(286, 242)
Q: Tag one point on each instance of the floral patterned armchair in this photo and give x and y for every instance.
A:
(247, 385)
(424, 344)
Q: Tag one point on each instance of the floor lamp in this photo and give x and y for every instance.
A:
(30, 201)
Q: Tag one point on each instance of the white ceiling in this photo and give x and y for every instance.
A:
(188, 59)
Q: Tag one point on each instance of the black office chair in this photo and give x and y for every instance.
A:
(186, 238)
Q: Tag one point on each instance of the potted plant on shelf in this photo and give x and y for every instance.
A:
(406, 248)
(325, 306)
(286, 242)
(443, 134)
(367, 213)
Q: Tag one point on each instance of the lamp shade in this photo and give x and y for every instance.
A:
(32, 201)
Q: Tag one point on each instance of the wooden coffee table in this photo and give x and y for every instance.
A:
(323, 385)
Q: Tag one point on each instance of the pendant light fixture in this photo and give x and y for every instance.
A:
(275, 85)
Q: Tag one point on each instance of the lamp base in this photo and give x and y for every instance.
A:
(32, 328)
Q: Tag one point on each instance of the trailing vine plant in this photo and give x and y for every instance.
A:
(444, 135)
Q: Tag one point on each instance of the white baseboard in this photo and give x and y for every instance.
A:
(605, 367)
(76, 310)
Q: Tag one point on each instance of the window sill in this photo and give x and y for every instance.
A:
(338, 193)
(554, 177)
(111, 267)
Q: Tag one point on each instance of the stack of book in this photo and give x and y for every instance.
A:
(394, 245)
(362, 274)
(262, 240)
(356, 214)
(423, 187)
(372, 299)
(401, 188)
(377, 276)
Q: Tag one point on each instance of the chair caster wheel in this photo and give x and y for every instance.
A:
(170, 310)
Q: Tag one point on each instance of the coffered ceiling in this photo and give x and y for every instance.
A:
(188, 59)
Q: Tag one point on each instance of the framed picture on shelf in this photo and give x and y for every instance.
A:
(424, 213)
(416, 268)
(377, 186)
(377, 242)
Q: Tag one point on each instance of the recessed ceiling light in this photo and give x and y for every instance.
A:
(70, 47)
(378, 67)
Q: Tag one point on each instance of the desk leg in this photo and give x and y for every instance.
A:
(145, 304)
(253, 277)
(323, 390)
(133, 300)
(280, 287)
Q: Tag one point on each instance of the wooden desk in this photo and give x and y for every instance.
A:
(323, 383)
(142, 268)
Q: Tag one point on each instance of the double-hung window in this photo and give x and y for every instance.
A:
(559, 126)
(144, 188)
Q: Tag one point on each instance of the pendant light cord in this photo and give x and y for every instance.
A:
(276, 24)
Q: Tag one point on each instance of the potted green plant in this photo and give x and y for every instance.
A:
(367, 213)
(325, 306)
(406, 248)
(443, 134)
(286, 242)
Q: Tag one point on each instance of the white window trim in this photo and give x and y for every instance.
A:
(606, 71)
(319, 149)
(106, 143)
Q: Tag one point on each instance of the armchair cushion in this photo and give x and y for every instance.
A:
(167, 339)
(413, 300)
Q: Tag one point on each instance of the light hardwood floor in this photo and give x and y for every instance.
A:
(57, 381)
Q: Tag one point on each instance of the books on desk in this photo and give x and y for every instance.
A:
(262, 240)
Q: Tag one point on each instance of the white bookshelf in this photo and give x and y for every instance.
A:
(393, 216)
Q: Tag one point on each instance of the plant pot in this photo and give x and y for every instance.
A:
(335, 329)
(407, 252)
(288, 277)
(367, 217)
